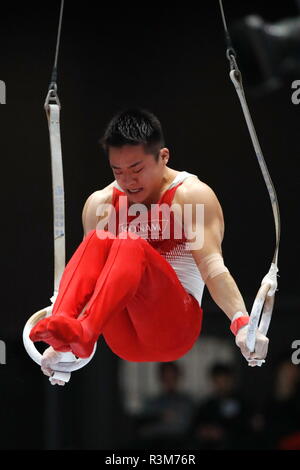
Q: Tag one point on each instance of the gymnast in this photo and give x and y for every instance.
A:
(152, 241)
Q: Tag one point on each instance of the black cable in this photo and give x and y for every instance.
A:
(230, 52)
(53, 84)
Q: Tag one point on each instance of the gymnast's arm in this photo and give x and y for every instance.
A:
(92, 213)
(221, 285)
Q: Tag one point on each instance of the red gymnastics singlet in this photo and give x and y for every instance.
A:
(140, 295)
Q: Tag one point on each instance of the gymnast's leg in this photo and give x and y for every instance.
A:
(135, 300)
(91, 263)
(161, 321)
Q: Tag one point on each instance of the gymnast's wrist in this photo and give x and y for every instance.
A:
(238, 321)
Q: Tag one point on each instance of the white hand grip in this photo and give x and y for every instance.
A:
(63, 376)
(256, 362)
(69, 362)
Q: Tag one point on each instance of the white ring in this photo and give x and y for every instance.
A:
(69, 362)
(262, 303)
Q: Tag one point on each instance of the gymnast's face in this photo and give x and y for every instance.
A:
(139, 173)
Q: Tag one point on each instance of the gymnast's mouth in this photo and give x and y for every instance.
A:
(134, 191)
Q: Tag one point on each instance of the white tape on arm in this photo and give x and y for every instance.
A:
(211, 266)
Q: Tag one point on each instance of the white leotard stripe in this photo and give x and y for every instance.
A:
(182, 261)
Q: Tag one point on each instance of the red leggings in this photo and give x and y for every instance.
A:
(133, 296)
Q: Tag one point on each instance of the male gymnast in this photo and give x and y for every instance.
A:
(137, 278)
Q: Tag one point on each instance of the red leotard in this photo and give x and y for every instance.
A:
(132, 296)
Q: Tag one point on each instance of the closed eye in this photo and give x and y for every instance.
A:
(138, 171)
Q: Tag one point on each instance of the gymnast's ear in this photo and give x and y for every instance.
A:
(164, 155)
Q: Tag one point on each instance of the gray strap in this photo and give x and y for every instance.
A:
(264, 301)
(53, 113)
(236, 79)
(260, 303)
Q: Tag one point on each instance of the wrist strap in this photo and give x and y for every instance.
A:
(238, 321)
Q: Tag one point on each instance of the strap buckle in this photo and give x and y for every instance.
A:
(52, 97)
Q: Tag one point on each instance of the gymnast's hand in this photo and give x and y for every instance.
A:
(261, 346)
(49, 359)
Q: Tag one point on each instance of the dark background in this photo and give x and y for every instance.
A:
(169, 58)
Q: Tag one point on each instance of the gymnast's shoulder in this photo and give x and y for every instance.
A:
(195, 191)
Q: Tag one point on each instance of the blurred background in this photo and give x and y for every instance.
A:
(171, 60)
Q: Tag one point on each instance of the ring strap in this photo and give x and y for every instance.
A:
(53, 113)
(262, 301)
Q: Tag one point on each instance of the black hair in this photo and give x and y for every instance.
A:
(134, 127)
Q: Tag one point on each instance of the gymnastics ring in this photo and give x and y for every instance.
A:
(263, 304)
(68, 361)
(69, 364)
